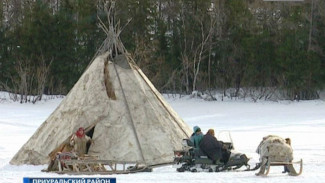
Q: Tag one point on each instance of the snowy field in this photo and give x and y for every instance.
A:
(248, 122)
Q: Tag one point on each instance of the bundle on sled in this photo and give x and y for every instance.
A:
(197, 160)
(276, 151)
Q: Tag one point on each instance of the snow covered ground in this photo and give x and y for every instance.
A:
(248, 122)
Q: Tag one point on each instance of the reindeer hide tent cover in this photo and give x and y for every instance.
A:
(128, 118)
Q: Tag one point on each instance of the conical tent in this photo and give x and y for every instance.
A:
(128, 118)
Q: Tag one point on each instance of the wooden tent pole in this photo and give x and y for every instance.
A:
(129, 112)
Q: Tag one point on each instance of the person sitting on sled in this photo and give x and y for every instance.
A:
(196, 137)
(79, 141)
(211, 146)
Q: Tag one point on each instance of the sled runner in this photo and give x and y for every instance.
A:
(266, 167)
(276, 151)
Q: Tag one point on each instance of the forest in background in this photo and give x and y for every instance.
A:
(234, 46)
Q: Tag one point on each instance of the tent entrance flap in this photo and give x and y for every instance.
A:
(90, 134)
(63, 147)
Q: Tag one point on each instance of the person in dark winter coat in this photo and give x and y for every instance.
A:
(211, 146)
(196, 137)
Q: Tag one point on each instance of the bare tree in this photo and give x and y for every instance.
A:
(22, 70)
(201, 49)
(42, 72)
(311, 24)
(196, 49)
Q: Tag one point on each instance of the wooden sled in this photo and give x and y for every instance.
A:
(88, 165)
(266, 167)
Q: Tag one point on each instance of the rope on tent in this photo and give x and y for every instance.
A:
(162, 102)
(129, 112)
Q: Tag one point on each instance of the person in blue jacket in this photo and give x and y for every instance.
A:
(196, 137)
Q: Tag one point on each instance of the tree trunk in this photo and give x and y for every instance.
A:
(311, 25)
